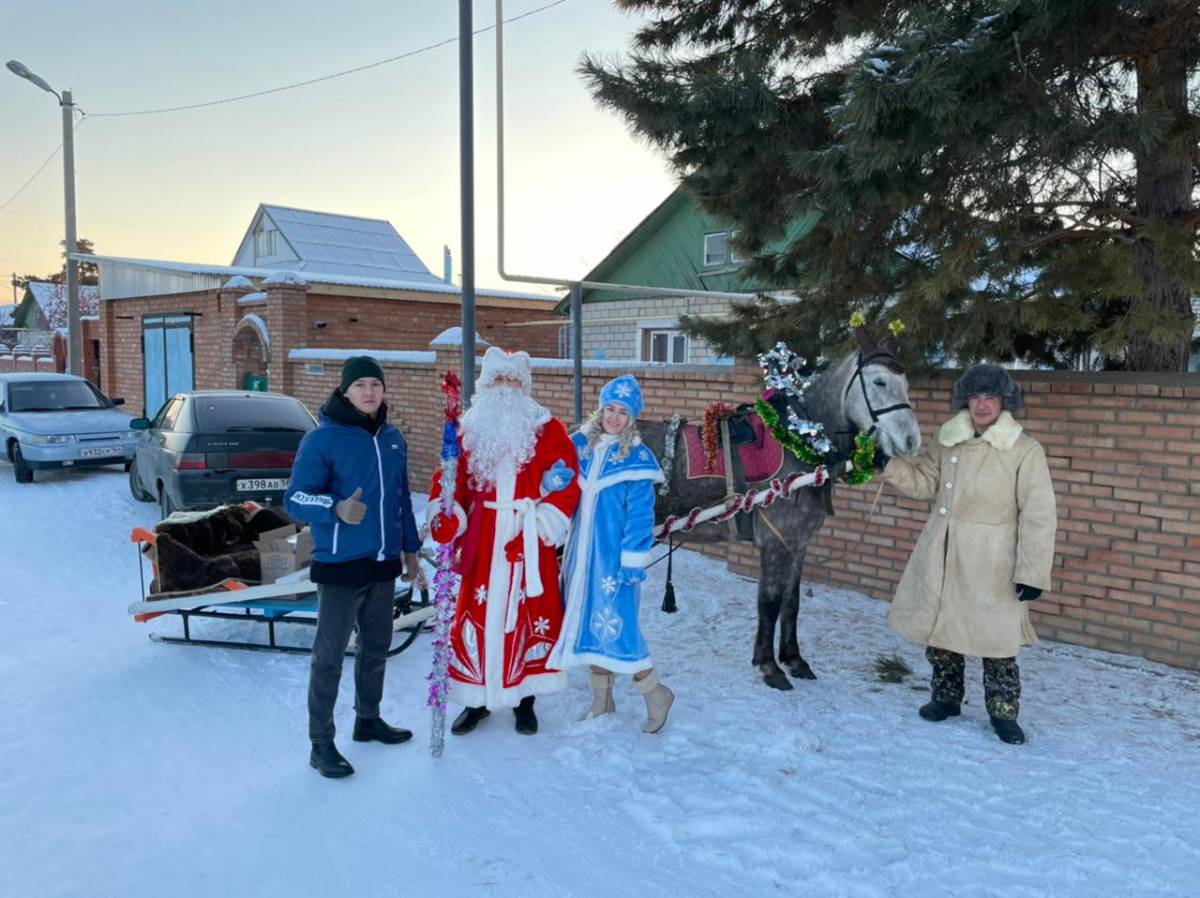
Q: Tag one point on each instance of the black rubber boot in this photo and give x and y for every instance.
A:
(374, 729)
(328, 761)
(468, 720)
(526, 720)
(935, 710)
(1009, 731)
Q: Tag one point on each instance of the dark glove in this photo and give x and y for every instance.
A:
(881, 459)
(1027, 593)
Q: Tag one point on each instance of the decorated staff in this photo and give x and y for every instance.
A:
(445, 581)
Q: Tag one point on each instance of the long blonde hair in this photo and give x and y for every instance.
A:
(593, 429)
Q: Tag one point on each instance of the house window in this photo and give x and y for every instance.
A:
(669, 346)
(714, 248)
(734, 256)
(264, 243)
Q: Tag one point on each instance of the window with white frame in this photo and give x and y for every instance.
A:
(734, 255)
(264, 243)
(668, 345)
(714, 248)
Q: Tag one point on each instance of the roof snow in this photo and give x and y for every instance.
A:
(7, 313)
(52, 300)
(237, 282)
(285, 277)
(453, 336)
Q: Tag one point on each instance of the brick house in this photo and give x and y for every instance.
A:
(299, 280)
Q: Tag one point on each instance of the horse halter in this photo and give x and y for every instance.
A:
(863, 361)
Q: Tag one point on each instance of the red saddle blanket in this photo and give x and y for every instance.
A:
(761, 459)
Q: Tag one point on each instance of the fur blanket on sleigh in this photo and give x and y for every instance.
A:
(194, 550)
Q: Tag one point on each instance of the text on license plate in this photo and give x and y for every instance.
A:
(101, 452)
(257, 484)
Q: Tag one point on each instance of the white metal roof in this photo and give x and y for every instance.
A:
(6, 314)
(190, 276)
(341, 244)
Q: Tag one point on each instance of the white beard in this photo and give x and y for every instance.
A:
(500, 432)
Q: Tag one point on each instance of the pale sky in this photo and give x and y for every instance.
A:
(381, 143)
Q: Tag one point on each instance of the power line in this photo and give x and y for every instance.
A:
(275, 90)
(49, 159)
(342, 74)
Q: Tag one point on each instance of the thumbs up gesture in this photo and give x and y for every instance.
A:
(559, 477)
(351, 510)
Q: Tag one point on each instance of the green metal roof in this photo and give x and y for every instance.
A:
(666, 249)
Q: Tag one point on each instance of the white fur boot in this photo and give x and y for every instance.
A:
(658, 701)
(602, 697)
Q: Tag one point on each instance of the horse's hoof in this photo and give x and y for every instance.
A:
(778, 681)
(801, 671)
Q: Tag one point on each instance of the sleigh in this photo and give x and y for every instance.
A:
(286, 606)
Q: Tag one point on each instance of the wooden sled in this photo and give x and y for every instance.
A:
(289, 600)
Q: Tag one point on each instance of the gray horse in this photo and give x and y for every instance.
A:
(865, 392)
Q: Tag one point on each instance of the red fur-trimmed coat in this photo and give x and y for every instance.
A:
(494, 608)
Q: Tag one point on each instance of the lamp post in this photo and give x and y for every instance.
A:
(74, 329)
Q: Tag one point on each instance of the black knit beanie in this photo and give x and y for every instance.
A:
(359, 366)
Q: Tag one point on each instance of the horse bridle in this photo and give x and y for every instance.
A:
(863, 361)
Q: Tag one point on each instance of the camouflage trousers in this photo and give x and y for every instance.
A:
(1001, 682)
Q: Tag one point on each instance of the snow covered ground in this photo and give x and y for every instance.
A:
(129, 768)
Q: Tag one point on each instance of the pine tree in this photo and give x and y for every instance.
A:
(1012, 179)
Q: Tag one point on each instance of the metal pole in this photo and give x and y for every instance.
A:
(466, 162)
(74, 328)
(577, 347)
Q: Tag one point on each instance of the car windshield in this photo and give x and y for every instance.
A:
(221, 414)
(54, 396)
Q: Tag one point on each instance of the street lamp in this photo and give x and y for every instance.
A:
(74, 330)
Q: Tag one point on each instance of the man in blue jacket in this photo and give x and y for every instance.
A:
(350, 484)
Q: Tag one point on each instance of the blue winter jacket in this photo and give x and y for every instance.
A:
(335, 459)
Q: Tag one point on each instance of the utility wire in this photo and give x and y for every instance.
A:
(49, 159)
(342, 74)
(275, 90)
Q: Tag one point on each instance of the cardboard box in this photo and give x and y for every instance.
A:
(282, 551)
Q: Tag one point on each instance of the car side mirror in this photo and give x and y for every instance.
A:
(139, 424)
(117, 400)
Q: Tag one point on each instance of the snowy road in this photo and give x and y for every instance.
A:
(130, 769)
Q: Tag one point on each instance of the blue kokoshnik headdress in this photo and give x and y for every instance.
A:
(624, 391)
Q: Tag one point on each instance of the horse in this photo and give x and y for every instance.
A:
(866, 391)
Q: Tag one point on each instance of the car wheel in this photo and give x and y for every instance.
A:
(165, 505)
(21, 471)
(129, 465)
(135, 486)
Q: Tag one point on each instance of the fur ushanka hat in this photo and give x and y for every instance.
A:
(990, 379)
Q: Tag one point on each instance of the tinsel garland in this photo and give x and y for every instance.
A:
(713, 413)
(445, 581)
(783, 373)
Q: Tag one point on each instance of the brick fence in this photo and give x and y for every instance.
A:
(1124, 452)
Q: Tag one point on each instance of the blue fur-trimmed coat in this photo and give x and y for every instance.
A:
(611, 533)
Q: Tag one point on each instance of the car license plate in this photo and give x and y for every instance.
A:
(101, 452)
(261, 484)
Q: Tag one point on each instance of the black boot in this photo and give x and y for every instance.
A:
(935, 710)
(328, 761)
(526, 719)
(468, 720)
(1009, 731)
(368, 729)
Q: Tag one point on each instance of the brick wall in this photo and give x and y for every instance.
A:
(1124, 452)
(411, 321)
(610, 328)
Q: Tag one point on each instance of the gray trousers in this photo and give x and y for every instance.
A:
(339, 610)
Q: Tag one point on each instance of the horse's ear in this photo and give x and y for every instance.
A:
(866, 343)
(890, 345)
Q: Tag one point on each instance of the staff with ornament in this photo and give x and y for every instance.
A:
(516, 488)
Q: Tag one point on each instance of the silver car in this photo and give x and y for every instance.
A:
(60, 421)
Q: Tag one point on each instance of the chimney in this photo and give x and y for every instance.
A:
(447, 266)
